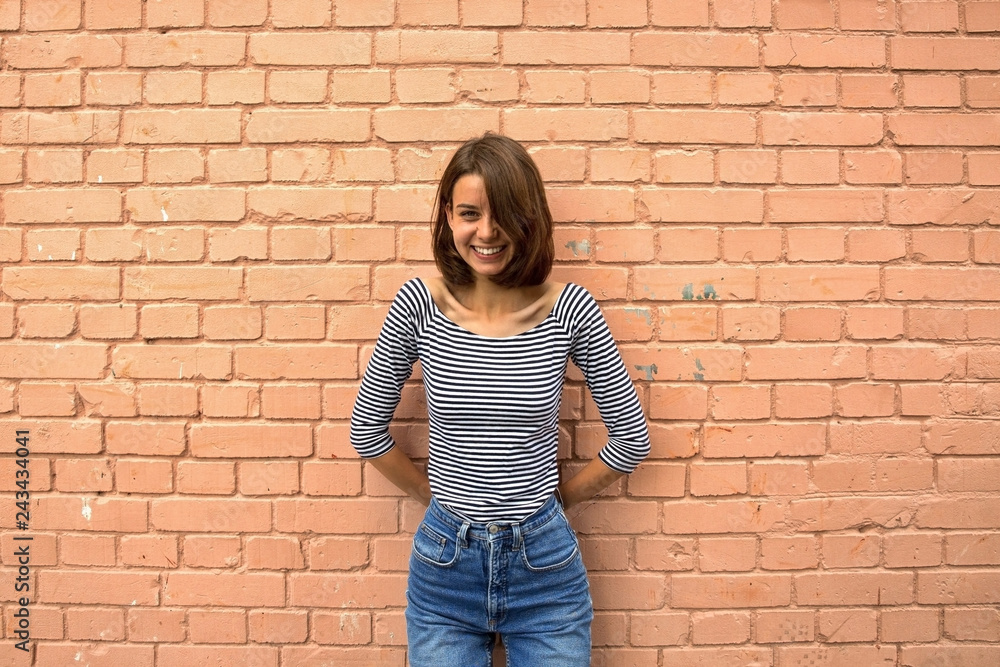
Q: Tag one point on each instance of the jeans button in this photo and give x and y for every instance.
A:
(493, 529)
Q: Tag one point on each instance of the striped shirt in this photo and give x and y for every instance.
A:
(493, 403)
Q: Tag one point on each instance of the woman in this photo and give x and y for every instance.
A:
(495, 553)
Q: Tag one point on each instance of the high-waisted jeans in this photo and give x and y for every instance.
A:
(525, 581)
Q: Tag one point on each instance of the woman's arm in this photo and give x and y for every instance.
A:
(397, 467)
(587, 483)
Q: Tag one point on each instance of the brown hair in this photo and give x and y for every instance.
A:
(518, 206)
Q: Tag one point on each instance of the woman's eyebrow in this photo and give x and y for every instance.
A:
(471, 206)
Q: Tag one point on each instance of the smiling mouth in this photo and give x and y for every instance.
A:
(488, 251)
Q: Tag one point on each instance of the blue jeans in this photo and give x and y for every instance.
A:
(525, 581)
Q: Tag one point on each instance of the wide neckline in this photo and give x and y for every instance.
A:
(437, 308)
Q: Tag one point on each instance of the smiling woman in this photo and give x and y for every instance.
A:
(495, 552)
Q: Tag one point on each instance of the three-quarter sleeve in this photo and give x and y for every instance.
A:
(390, 366)
(593, 350)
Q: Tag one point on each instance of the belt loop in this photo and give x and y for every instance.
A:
(516, 528)
(463, 532)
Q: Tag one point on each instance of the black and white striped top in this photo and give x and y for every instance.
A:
(493, 403)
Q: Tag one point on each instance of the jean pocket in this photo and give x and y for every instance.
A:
(551, 547)
(434, 548)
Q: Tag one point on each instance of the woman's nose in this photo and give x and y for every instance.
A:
(487, 229)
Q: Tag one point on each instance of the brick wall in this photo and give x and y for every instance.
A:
(789, 211)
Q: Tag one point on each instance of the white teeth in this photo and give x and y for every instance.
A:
(487, 251)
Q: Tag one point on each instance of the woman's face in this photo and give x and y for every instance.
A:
(483, 245)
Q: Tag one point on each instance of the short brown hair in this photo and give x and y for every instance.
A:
(518, 206)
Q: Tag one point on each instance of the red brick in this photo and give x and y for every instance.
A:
(169, 321)
(788, 553)
(211, 551)
(972, 549)
(168, 400)
(87, 550)
(804, 14)
(592, 204)
(912, 550)
(957, 588)
(174, 14)
(719, 479)
(278, 627)
(336, 516)
(76, 475)
(972, 624)
(187, 126)
(810, 167)
(805, 50)
(78, 50)
(751, 245)
(679, 244)
(137, 476)
(943, 53)
(227, 589)
(748, 166)
(113, 88)
(742, 14)
(43, 361)
(822, 129)
(89, 587)
(206, 478)
(223, 656)
(158, 551)
(230, 13)
(696, 50)
(746, 402)
(720, 627)
(874, 323)
(847, 625)
(223, 441)
(217, 626)
(48, 206)
(302, 14)
(46, 321)
(764, 440)
(183, 165)
(174, 362)
(103, 654)
(618, 86)
(195, 49)
(751, 323)
(815, 244)
(566, 48)
(701, 592)
(110, 14)
(873, 167)
(657, 480)
(145, 438)
(114, 166)
(924, 656)
(202, 515)
(819, 283)
(377, 12)
(107, 400)
(703, 205)
(695, 127)
(868, 15)
(854, 588)
(342, 627)
(183, 87)
(55, 166)
(875, 245)
(684, 88)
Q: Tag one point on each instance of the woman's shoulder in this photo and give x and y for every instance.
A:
(575, 300)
